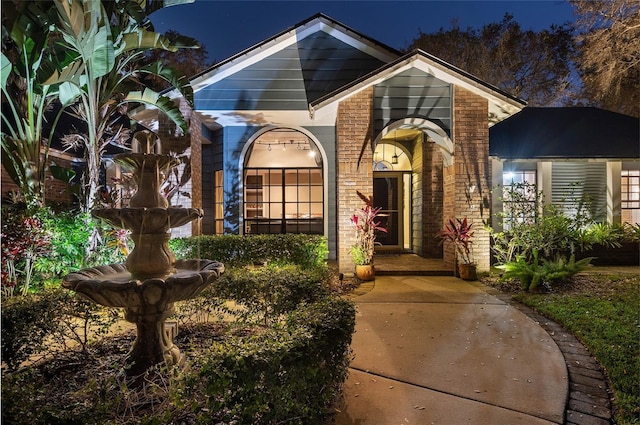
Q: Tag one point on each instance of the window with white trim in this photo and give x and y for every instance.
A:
(519, 200)
(630, 196)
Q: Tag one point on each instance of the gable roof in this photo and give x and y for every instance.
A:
(283, 73)
(569, 132)
(501, 103)
(305, 34)
(294, 70)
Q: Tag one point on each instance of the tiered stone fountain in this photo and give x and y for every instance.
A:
(151, 280)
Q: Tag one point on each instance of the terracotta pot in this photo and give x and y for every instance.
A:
(365, 272)
(467, 271)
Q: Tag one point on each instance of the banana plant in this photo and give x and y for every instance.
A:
(24, 68)
(100, 48)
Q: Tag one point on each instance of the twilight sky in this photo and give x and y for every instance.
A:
(228, 27)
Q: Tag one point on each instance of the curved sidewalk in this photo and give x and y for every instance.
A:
(438, 350)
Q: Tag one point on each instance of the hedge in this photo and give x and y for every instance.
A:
(238, 251)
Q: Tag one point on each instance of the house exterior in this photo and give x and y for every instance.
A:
(574, 151)
(284, 135)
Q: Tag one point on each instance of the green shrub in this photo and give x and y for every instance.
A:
(284, 361)
(266, 293)
(288, 374)
(69, 234)
(27, 321)
(47, 321)
(238, 251)
(532, 274)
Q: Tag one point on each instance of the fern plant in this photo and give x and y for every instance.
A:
(532, 274)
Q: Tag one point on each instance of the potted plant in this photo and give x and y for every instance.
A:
(366, 226)
(459, 232)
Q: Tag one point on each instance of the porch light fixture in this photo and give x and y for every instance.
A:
(394, 158)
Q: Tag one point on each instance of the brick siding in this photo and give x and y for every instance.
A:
(468, 181)
(354, 158)
(55, 190)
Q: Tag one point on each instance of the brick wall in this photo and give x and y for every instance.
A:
(354, 168)
(468, 181)
(55, 190)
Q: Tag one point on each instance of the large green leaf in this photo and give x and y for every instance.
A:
(102, 59)
(163, 103)
(68, 93)
(85, 29)
(142, 39)
(5, 70)
(153, 6)
(172, 76)
(64, 174)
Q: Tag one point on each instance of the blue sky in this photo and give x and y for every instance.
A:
(228, 27)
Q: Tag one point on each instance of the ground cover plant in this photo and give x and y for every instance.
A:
(601, 310)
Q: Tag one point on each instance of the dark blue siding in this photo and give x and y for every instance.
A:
(412, 93)
(291, 78)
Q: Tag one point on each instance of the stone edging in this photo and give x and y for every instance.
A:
(589, 400)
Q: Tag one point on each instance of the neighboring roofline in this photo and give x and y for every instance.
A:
(200, 80)
(566, 133)
(384, 71)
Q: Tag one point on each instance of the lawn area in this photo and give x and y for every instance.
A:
(603, 311)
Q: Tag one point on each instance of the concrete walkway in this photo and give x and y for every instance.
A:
(438, 350)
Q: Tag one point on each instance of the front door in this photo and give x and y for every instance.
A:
(387, 194)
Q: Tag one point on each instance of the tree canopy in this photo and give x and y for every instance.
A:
(609, 53)
(535, 66)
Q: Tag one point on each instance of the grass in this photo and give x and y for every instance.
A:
(603, 311)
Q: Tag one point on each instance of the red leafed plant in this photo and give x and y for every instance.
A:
(22, 240)
(366, 227)
(459, 232)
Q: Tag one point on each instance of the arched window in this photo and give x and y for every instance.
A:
(283, 184)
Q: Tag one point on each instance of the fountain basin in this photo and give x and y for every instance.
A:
(113, 285)
(148, 220)
(151, 256)
(147, 303)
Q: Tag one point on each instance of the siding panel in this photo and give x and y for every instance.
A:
(412, 93)
(573, 180)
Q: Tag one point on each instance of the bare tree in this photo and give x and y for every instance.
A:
(609, 53)
(535, 66)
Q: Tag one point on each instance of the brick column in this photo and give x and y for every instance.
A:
(354, 168)
(468, 181)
